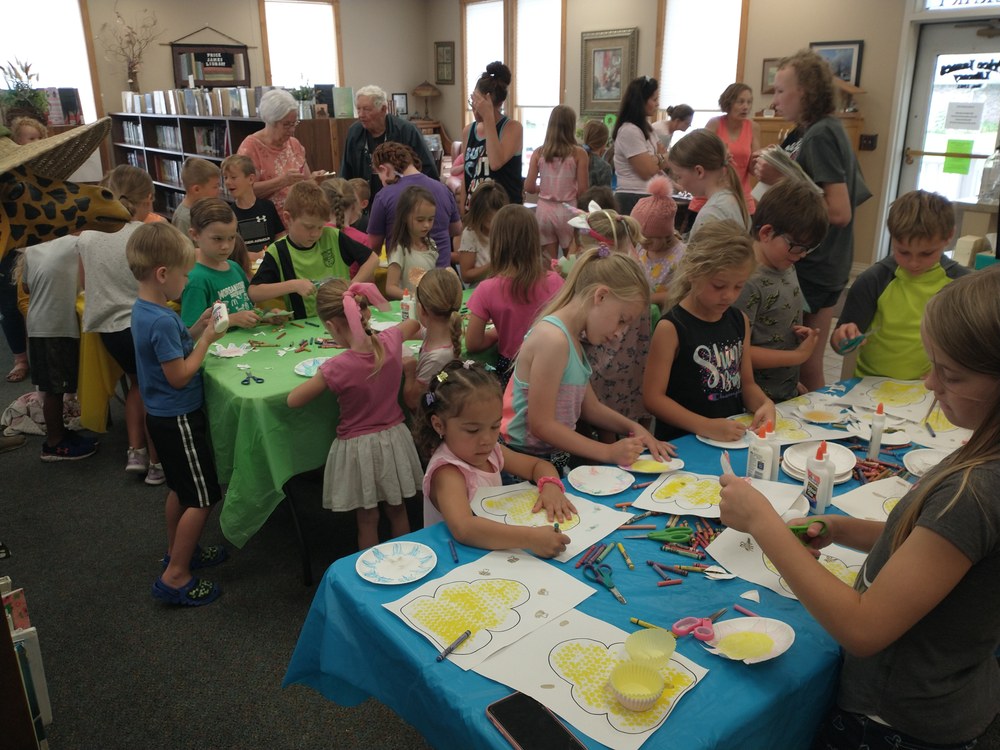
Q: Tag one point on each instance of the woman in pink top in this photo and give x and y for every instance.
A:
(277, 154)
(741, 136)
(519, 288)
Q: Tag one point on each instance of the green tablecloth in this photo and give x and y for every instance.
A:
(260, 443)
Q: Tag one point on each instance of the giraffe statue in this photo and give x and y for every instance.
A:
(38, 204)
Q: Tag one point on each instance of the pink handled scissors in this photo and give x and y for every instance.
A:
(700, 627)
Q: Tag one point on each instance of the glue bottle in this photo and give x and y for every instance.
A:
(220, 317)
(762, 459)
(878, 425)
(404, 305)
(818, 486)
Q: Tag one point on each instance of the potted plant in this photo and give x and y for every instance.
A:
(21, 99)
(305, 95)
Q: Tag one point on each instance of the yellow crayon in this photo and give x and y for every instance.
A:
(628, 560)
(643, 623)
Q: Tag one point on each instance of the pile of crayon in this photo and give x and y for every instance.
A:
(662, 570)
(871, 470)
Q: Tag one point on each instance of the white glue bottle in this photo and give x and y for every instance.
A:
(878, 425)
(404, 305)
(818, 486)
(220, 317)
(762, 459)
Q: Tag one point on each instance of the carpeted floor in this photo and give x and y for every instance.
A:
(126, 672)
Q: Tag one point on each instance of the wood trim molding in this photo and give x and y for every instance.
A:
(88, 38)
(742, 51)
(340, 45)
(562, 57)
(661, 19)
(264, 50)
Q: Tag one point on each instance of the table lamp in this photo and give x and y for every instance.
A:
(427, 90)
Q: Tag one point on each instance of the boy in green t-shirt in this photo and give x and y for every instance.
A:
(308, 255)
(886, 302)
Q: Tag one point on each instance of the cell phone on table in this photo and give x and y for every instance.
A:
(528, 725)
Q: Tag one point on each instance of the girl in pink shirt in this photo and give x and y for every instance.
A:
(373, 459)
(519, 288)
(458, 425)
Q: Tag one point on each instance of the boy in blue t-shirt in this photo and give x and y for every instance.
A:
(169, 363)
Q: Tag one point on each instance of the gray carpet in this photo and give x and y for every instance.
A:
(126, 672)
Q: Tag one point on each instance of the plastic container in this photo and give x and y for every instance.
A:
(763, 456)
(878, 425)
(989, 189)
(220, 317)
(404, 305)
(818, 484)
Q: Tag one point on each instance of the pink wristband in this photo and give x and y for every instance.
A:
(542, 481)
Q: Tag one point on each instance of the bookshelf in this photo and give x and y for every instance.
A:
(160, 143)
(774, 129)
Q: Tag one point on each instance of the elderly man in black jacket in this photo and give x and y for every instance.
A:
(376, 126)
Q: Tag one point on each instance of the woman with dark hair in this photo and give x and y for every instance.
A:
(493, 142)
(679, 117)
(638, 155)
(803, 94)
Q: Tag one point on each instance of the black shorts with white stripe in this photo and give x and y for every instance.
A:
(187, 458)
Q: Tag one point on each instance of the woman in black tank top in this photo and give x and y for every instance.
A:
(493, 142)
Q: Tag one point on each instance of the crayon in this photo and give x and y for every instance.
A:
(624, 505)
(641, 485)
(644, 624)
(638, 527)
(282, 334)
(671, 582)
(745, 611)
(457, 642)
(297, 324)
(660, 572)
(628, 560)
(605, 552)
(586, 556)
(693, 555)
(310, 323)
(454, 552)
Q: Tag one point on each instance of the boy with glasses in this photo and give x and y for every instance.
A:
(790, 221)
(886, 303)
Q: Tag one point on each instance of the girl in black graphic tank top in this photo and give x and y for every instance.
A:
(493, 142)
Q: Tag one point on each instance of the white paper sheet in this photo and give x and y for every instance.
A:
(565, 666)
(500, 597)
(873, 501)
(511, 505)
(901, 398)
(684, 493)
(740, 553)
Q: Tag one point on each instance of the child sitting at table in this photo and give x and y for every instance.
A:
(215, 277)
(920, 625)
(372, 461)
(474, 247)
(169, 362)
(699, 370)
(786, 226)
(309, 254)
(516, 291)
(457, 429)
(439, 299)
(550, 390)
(411, 249)
(887, 300)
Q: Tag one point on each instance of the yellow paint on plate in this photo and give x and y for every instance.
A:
(818, 415)
(745, 645)
(648, 466)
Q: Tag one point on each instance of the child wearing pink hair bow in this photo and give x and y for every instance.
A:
(373, 459)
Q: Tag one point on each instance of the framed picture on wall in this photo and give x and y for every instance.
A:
(400, 104)
(767, 75)
(444, 62)
(844, 58)
(210, 66)
(608, 62)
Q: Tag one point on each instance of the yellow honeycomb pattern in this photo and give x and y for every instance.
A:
(689, 491)
(895, 393)
(889, 504)
(586, 665)
(479, 606)
(834, 564)
(515, 510)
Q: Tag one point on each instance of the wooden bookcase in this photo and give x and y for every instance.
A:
(774, 129)
(159, 144)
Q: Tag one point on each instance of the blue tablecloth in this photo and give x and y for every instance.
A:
(352, 648)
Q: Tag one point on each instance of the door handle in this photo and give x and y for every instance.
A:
(909, 154)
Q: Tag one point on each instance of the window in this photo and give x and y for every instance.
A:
(302, 42)
(484, 42)
(56, 51)
(687, 24)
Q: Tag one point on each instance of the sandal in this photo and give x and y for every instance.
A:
(203, 557)
(194, 593)
(19, 372)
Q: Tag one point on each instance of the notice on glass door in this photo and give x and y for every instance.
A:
(964, 116)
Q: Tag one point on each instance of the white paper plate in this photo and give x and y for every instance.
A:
(796, 456)
(918, 462)
(801, 475)
(645, 464)
(308, 367)
(821, 414)
(780, 633)
(600, 480)
(736, 445)
(232, 350)
(396, 562)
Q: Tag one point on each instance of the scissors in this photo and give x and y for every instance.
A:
(700, 627)
(602, 574)
(851, 344)
(800, 530)
(674, 535)
(250, 376)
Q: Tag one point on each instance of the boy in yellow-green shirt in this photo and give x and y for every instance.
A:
(886, 302)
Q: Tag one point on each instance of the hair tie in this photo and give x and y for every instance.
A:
(442, 376)
(429, 399)
(603, 251)
(352, 311)
(469, 364)
(489, 368)
(611, 221)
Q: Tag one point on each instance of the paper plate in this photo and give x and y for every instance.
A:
(382, 325)
(735, 445)
(308, 367)
(821, 414)
(645, 464)
(796, 456)
(232, 350)
(751, 639)
(600, 480)
(800, 476)
(396, 562)
(918, 462)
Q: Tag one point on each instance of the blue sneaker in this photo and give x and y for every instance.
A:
(70, 448)
(203, 557)
(194, 593)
